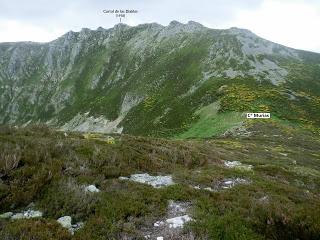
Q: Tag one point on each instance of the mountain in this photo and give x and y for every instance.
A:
(182, 80)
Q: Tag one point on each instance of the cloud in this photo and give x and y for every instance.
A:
(293, 23)
(11, 30)
(289, 22)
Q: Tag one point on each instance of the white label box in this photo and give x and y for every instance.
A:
(258, 115)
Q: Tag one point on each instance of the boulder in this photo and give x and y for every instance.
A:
(65, 222)
(91, 188)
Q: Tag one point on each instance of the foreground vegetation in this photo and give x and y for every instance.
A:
(47, 168)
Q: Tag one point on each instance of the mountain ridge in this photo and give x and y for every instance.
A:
(124, 74)
(190, 22)
(173, 22)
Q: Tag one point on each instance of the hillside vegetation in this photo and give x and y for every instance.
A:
(46, 169)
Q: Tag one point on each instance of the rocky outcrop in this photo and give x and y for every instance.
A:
(171, 226)
(66, 222)
(154, 181)
(22, 215)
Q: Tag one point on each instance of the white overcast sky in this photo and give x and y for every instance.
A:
(294, 23)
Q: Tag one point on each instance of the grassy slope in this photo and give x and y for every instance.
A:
(50, 169)
(211, 123)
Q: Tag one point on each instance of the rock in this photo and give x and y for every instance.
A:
(159, 238)
(170, 227)
(6, 215)
(65, 222)
(177, 208)
(208, 189)
(232, 164)
(238, 165)
(155, 181)
(27, 214)
(32, 214)
(224, 184)
(124, 178)
(228, 182)
(91, 188)
(178, 222)
(17, 216)
(203, 188)
(237, 131)
(158, 224)
(264, 199)
(76, 227)
(231, 182)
